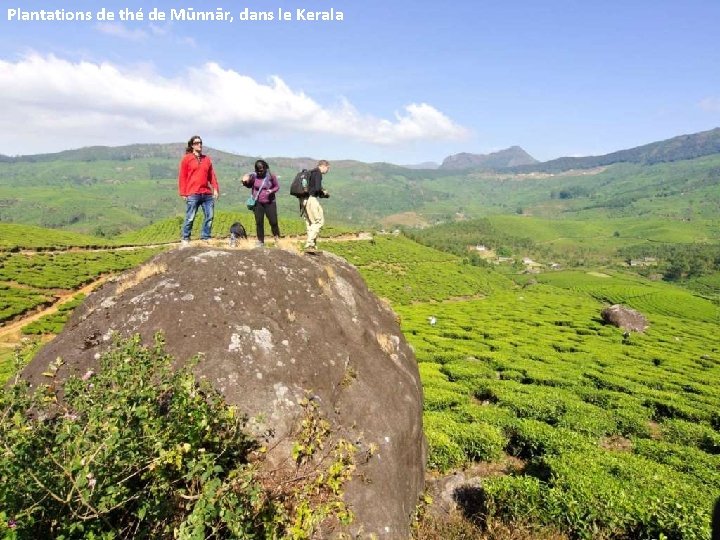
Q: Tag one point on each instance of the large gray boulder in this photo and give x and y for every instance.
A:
(273, 326)
(624, 317)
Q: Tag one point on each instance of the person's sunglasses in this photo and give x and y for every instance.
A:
(197, 142)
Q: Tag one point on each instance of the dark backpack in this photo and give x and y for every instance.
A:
(299, 185)
(237, 230)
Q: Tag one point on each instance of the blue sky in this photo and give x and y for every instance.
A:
(403, 82)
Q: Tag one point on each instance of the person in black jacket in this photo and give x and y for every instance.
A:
(312, 210)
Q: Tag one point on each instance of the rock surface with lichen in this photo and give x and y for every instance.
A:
(272, 327)
(624, 317)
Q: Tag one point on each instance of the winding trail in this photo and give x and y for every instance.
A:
(11, 335)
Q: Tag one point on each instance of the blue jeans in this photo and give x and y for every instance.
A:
(193, 203)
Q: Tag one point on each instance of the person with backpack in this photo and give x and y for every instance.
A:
(198, 185)
(310, 207)
(263, 186)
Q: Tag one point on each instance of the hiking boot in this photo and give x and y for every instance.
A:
(185, 242)
(259, 244)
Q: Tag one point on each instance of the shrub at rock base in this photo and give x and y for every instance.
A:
(141, 451)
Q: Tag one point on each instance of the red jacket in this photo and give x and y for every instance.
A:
(196, 175)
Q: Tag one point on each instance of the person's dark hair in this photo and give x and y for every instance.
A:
(189, 147)
(323, 162)
(261, 166)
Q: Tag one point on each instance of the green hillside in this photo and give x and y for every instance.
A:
(15, 236)
(608, 233)
(110, 191)
(677, 251)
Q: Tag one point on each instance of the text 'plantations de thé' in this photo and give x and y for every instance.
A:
(181, 14)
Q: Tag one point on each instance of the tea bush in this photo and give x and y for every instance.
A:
(53, 323)
(440, 398)
(486, 413)
(694, 434)
(617, 496)
(637, 293)
(704, 467)
(511, 497)
(12, 360)
(16, 301)
(468, 372)
(443, 452)
(479, 441)
(625, 495)
(529, 438)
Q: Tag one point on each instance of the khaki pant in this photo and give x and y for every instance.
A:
(314, 220)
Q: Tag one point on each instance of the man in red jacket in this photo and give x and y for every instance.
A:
(198, 185)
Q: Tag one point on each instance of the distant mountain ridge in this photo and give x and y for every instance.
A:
(510, 157)
(677, 148)
(112, 190)
(102, 153)
(173, 151)
(513, 160)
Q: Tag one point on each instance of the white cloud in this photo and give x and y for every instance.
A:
(47, 97)
(710, 104)
(121, 31)
(157, 30)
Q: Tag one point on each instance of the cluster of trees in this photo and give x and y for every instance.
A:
(693, 262)
(679, 261)
(570, 192)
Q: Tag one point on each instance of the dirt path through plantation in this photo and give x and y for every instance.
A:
(11, 335)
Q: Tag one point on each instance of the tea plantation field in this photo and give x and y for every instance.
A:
(619, 436)
(30, 281)
(14, 237)
(613, 436)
